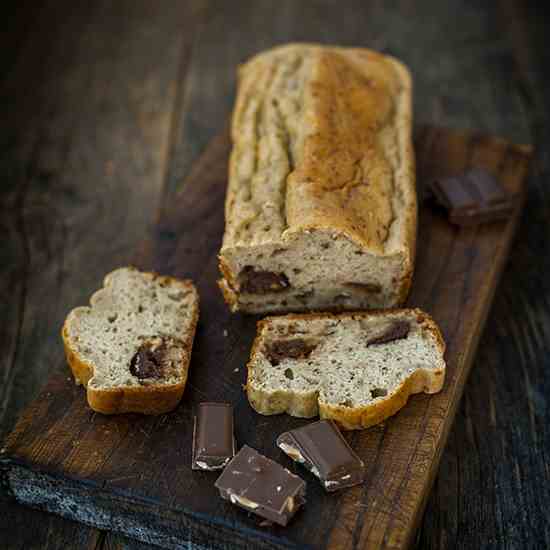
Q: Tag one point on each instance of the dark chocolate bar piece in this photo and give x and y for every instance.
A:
(213, 440)
(261, 486)
(473, 198)
(453, 194)
(323, 450)
(487, 188)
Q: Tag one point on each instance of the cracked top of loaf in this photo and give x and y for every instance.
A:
(321, 140)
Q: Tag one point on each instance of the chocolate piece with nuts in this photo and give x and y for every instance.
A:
(323, 450)
(213, 440)
(261, 486)
(297, 348)
(262, 282)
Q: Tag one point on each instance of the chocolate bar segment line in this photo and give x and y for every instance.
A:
(261, 486)
(476, 217)
(452, 195)
(474, 197)
(323, 450)
(487, 187)
(213, 439)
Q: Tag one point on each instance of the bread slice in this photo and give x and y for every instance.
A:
(356, 368)
(321, 210)
(131, 347)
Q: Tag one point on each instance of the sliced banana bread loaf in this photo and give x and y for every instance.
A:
(131, 347)
(356, 368)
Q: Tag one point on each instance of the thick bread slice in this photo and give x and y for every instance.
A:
(320, 211)
(131, 348)
(356, 368)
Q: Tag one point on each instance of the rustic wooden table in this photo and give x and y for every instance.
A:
(106, 104)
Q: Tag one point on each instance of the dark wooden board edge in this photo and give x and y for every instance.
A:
(464, 373)
(484, 308)
(111, 508)
(138, 518)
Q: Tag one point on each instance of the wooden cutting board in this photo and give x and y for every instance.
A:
(132, 474)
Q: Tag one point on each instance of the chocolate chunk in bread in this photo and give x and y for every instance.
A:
(297, 348)
(396, 331)
(369, 288)
(147, 362)
(378, 392)
(262, 282)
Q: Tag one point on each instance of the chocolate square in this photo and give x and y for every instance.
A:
(473, 198)
(323, 450)
(213, 439)
(261, 486)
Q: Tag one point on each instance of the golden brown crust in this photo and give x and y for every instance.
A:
(408, 164)
(344, 179)
(226, 272)
(348, 165)
(349, 418)
(405, 286)
(359, 418)
(228, 295)
(149, 400)
(82, 371)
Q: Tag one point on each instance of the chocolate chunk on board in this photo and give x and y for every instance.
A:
(323, 450)
(473, 198)
(213, 439)
(396, 331)
(261, 486)
(262, 282)
(296, 348)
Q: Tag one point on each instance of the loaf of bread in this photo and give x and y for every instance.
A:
(131, 347)
(356, 368)
(321, 203)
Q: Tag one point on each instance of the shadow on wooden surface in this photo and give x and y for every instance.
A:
(132, 474)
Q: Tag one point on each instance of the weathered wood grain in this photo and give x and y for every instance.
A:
(477, 65)
(493, 486)
(87, 93)
(133, 474)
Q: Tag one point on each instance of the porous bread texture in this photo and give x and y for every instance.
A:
(132, 310)
(321, 181)
(343, 378)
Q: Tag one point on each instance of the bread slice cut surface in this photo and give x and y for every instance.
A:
(131, 347)
(356, 368)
